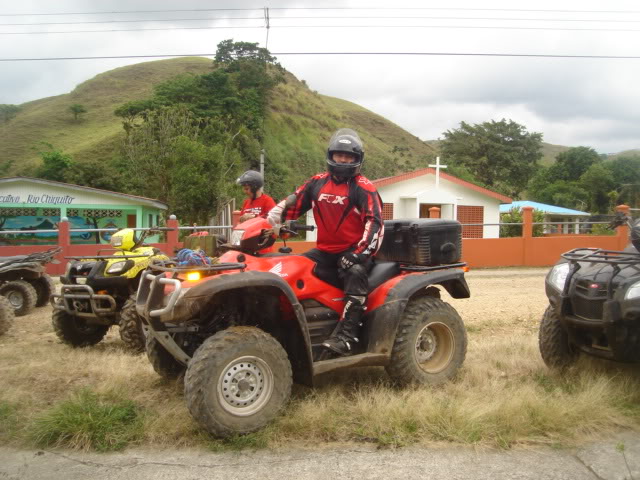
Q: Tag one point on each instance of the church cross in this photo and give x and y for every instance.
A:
(437, 166)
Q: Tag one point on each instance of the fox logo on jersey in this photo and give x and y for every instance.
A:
(334, 199)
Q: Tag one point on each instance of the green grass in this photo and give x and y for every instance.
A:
(88, 421)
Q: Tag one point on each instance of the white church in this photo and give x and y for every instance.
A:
(412, 194)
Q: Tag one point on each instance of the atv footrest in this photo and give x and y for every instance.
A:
(70, 294)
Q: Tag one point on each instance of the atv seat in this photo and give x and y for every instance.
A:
(381, 272)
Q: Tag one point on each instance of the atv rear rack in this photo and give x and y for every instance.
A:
(598, 255)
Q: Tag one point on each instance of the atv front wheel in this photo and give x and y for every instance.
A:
(554, 344)
(21, 295)
(75, 331)
(44, 288)
(6, 315)
(430, 344)
(162, 361)
(131, 331)
(237, 381)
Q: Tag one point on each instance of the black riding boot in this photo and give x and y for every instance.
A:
(345, 335)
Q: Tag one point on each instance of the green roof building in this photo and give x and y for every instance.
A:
(36, 204)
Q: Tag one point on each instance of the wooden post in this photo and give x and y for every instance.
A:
(527, 235)
(434, 212)
(622, 232)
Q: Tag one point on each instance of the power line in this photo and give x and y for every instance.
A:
(319, 8)
(470, 27)
(131, 30)
(435, 54)
(360, 17)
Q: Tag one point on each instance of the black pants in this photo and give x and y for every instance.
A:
(355, 281)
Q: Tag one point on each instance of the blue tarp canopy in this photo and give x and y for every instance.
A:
(543, 207)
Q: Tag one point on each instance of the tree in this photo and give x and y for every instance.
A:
(501, 155)
(184, 161)
(77, 110)
(598, 182)
(7, 112)
(55, 164)
(573, 163)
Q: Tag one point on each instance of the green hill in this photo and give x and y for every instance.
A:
(300, 122)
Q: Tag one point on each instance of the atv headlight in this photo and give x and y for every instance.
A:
(236, 237)
(119, 267)
(558, 275)
(633, 292)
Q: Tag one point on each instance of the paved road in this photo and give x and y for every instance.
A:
(617, 458)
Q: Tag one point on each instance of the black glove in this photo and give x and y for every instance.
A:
(350, 259)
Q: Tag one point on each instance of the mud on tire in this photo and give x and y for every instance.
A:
(237, 381)
(553, 340)
(75, 331)
(44, 288)
(6, 315)
(131, 331)
(21, 295)
(430, 344)
(162, 361)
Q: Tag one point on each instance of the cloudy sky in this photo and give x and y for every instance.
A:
(571, 101)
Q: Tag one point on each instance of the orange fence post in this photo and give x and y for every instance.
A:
(235, 218)
(64, 241)
(622, 232)
(434, 212)
(527, 235)
(172, 235)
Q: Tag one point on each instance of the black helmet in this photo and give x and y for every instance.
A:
(347, 141)
(253, 179)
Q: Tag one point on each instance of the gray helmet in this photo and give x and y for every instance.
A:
(253, 179)
(347, 141)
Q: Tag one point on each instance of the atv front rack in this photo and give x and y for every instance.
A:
(70, 294)
(598, 255)
(151, 287)
(218, 267)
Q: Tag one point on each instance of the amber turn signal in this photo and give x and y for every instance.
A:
(193, 276)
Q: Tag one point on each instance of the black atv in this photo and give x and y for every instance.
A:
(24, 281)
(594, 304)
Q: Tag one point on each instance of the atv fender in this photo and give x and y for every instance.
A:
(382, 322)
(297, 342)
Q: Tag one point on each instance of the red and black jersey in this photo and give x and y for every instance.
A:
(348, 214)
(259, 206)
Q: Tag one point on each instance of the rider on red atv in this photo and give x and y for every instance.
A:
(348, 214)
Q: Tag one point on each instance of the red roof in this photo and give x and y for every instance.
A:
(381, 182)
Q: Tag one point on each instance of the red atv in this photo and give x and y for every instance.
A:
(246, 327)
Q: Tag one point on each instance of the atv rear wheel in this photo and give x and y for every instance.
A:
(44, 288)
(131, 331)
(162, 361)
(75, 331)
(430, 344)
(237, 381)
(6, 315)
(21, 295)
(553, 340)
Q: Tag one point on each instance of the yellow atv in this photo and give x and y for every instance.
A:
(99, 291)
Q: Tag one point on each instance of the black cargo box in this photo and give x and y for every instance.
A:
(421, 241)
